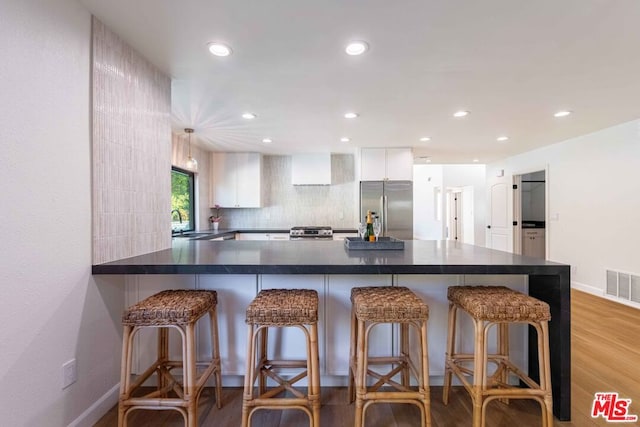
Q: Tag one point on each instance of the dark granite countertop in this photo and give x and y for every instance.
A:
(326, 257)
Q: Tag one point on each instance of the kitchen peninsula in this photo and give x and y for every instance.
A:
(427, 267)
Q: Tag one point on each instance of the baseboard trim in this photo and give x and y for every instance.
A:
(100, 407)
(588, 289)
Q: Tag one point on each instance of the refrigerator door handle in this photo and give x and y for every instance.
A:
(384, 216)
(382, 212)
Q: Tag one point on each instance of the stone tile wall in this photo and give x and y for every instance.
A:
(131, 150)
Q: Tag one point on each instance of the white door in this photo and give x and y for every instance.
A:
(455, 217)
(498, 226)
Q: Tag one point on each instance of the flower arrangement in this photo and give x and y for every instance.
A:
(216, 217)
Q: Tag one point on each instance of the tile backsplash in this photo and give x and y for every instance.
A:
(286, 205)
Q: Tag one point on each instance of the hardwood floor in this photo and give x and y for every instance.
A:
(336, 412)
(605, 357)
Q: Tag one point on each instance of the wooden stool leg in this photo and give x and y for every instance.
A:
(361, 373)
(163, 357)
(479, 375)
(503, 350)
(215, 354)
(544, 362)
(190, 384)
(247, 396)
(404, 352)
(424, 374)
(263, 340)
(450, 351)
(352, 356)
(313, 369)
(125, 374)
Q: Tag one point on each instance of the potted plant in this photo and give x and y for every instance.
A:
(215, 219)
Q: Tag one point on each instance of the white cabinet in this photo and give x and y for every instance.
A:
(311, 169)
(341, 236)
(381, 164)
(337, 321)
(236, 179)
(533, 243)
(235, 293)
(252, 236)
(262, 236)
(278, 236)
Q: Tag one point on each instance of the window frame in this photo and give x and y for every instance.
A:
(192, 197)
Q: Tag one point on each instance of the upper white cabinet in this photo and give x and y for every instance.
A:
(386, 164)
(236, 180)
(311, 169)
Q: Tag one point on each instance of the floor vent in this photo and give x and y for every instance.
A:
(625, 286)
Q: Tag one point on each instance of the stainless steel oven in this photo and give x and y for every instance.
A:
(311, 232)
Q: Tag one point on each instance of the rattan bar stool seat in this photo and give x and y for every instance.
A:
(282, 308)
(173, 307)
(178, 309)
(497, 306)
(388, 304)
(372, 306)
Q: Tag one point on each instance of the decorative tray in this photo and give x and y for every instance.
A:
(383, 243)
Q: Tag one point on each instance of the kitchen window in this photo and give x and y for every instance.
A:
(182, 200)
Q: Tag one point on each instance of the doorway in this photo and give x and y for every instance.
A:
(455, 218)
(530, 213)
(459, 214)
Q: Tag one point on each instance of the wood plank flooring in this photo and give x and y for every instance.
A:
(605, 357)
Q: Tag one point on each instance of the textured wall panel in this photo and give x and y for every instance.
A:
(131, 151)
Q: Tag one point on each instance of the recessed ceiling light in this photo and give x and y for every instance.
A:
(356, 48)
(563, 113)
(460, 113)
(248, 116)
(345, 139)
(219, 49)
(502, 138)
(267, 140)
(351, 115)
(425, 139)
(475, 160)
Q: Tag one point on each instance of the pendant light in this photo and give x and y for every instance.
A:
(191, 162)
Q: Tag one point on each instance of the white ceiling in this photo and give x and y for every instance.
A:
(511, 63)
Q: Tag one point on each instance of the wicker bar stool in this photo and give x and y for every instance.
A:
(500, 306)
(282, 308)
(371, 306)
(180, 310)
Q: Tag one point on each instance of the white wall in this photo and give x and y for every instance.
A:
(51, 309)
(427, 225)
(594, 185)
(426, 178)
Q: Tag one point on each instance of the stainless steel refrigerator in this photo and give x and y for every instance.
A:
(392, 201)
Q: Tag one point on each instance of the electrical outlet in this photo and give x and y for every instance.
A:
(69, 373)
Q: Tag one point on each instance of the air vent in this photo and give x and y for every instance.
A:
(623, 286)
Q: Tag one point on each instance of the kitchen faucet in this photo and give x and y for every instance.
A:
(179, 217)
